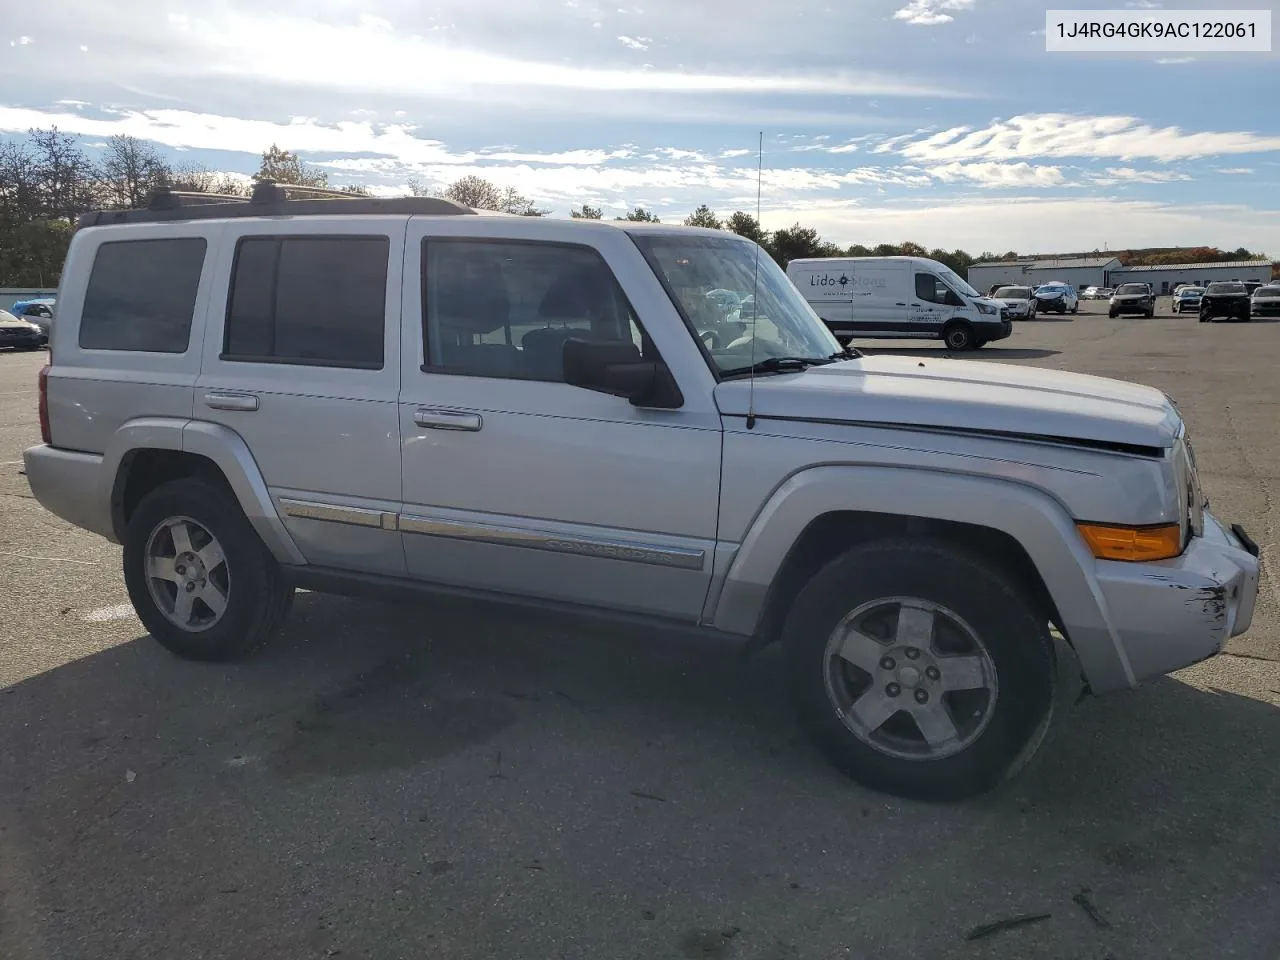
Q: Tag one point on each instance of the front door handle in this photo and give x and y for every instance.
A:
(903, 304)
(246, 402)
(434, 419)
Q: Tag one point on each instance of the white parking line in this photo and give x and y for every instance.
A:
(121, 611)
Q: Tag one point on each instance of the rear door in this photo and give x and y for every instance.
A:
(301, 360)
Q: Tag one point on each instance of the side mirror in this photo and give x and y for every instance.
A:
(617, 368)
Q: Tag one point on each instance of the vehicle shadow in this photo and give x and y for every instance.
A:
(989, 352)
(385, 771)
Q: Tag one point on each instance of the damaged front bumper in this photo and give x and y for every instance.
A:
(1174, 613)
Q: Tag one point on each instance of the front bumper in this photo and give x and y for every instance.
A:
(994, 331)
(24, 341)
(1265, 309)
(1131, 306)
(1169, 615)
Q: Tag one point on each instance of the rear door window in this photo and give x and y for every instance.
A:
(141, 295)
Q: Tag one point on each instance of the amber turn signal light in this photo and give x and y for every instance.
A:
(1132, 543)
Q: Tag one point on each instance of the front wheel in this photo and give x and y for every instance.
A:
(958, 336)
(1112, 314)
(920, 670)
(202, 582)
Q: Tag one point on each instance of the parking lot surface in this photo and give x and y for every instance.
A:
(451, 780)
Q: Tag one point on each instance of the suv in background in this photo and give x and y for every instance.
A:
(39, 312)
(1133, 298)
(1225, 298)
(1057, 297)
(1265, 301)
(369, 395)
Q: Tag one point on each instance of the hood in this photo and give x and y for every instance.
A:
(19, 323)
(964, 395)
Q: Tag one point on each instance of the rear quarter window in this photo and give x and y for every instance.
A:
(141, 295)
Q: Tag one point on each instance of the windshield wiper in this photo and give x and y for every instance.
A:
(779, 365)
(847, 353)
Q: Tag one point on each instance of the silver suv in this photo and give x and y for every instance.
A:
(359, 395)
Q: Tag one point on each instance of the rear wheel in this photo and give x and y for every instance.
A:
(920, 670)
(202, 582)
(958, 335)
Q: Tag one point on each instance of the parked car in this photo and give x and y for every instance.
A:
(923, 536)
(896, 297)
(1057, 297)
(19, 334)
(1133, 298)
(1018, 303)
(1187, 298)
(1252, 285)
(1104, 293)
(1265, 301)
(1226, 298)
(39, 312)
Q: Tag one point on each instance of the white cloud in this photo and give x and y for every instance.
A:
(1130, 175)
(635, 43)
(734, 153)
(23, 41)
(989, 174)
(1143, 5)
(928, 13)
(1230, 171)
(1174, 60)
(1067, 135)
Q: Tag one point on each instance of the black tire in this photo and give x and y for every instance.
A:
(257, 597)
(958, 336)
(1112, 314)
(1017, 639)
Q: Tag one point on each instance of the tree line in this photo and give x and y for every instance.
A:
(48, 179)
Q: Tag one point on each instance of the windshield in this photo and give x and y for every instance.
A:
(1220, 288)
(1132, 288)
(1013, 293)
(956, 282)
(1267, 292)
(1190, 291)
(714, 283)
(1051, 288)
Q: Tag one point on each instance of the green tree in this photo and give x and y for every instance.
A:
(639, 215)
(858, 250)
(909, 249)
(587, 213)
(745, 225)
(794, 243)
(281, 166)
(884, 250)
(704, 216)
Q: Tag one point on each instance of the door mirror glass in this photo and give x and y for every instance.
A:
(616, 367)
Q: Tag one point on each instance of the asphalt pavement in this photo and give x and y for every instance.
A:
(456, 781)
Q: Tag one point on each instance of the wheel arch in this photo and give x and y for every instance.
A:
(149, 451)
(1021, 530)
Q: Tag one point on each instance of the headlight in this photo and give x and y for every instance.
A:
(987, 308)
(1191, 501)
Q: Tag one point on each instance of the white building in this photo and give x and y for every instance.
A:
(1080, 272)
(1164, 277)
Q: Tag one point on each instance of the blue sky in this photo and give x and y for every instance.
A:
(939, 121)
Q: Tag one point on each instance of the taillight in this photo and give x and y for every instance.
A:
(46, 435)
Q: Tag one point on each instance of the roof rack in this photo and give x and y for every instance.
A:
(270, 199)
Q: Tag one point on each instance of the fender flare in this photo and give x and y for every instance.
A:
(1034, 519)
(219, 444)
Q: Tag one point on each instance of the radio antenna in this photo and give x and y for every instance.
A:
(755, 293)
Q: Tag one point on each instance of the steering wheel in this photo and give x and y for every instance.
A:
(710, 338)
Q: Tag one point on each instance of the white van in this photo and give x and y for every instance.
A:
(896, 297)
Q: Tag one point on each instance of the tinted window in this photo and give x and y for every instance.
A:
(310, 300)
(1218, 289)
(931, 289)
(1132, 288)
(500, 309)
(1013, 293)
(142, 295)
(1267, 292)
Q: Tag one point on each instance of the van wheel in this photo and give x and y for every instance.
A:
(920, 670)
(958, 336)
(202, 582)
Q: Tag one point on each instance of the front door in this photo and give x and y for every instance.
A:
(302, 361)
(932, 304)
(519, 483)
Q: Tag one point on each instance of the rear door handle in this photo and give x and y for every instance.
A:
(231, 401)
(433, 419)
